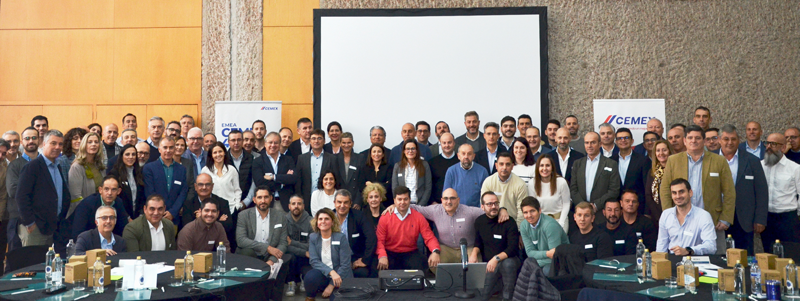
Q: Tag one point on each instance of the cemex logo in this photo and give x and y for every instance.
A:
(627, 120)
(269, 108)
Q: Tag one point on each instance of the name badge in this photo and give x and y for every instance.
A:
(498, 236)
(177, 182)
(498, 193)
(210, 242)
(535, 242)
(335, 243)
(356, 235)
(687, 233)
(714, 174)
(638, 234)
(589, 246)
(353, 167)
(748, 177)
(460, 220)
(608, 169)
(278, 226)
(400, 175)
(303, 234)
(621, 242)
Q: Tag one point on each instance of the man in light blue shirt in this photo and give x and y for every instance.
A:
(685, 229)
(753, 143)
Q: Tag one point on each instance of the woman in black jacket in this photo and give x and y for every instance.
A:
(129, 173)
(377, 170)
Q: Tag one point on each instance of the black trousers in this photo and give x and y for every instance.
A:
(298, 266)
(742, 238)
(407, 261)
(784, 226)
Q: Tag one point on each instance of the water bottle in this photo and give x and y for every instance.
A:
(188, 268)
(777, 248)
(48, 267)
(689, 282)
(70, 249)
(791, 279)
(648, 264)
(138, 271)
(640, 261)
(58, 269)
(221, 261)
(98, 276)
(738, 279)
(755, 278)
(729, 243)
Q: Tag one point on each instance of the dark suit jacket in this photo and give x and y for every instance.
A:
(545, 149)
(111, 162)
(85, 212)
(482, 158)
(743, 148)
(303, 173)
(245, 172)
(192, 203)
(12, 181)
(191, 177)
(155, 182)
(386, 153)
(606, 182)
(752, 192)
(262, 166)
(639, 148)
(137, 235)
(636, 176)
(383, 176)
(90, 240)
(434, 149)
(361, 235)
(295, 150)
(614, 151)
(328, 148)
(127, 198)
(154, 154)
(37, 197)
(573, 156)
(354, 171)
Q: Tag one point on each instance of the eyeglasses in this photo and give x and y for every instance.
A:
(196, 138)
(713, 138)
(106, 218)
(492, 204)
(412, 149)
(449, 198)
(34, 138)
(203, 185)
(792, 137)
(770, 143)
(173, 130)
(624, 138)
(650, 140)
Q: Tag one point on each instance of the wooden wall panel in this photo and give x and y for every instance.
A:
(38, 14)
(173, 112)
(289, 12)
(113, 114)
(292, 112)
(288, 64)
(63, 118)
(156, 66)
(158, 13)
(17, 118)
(56, 66)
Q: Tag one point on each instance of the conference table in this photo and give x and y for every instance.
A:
(248, 289)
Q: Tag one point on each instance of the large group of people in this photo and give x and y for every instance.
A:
(326, 212)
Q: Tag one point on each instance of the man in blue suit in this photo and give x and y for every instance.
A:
(43, 197)
(753, 143)
(167, 178)
(752, 194)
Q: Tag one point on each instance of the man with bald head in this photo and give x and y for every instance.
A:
(564, 156)
(753, 143)
(654, 125)
(194, 149)
(128, 137)
(110, 134)
(142, 153)
(409, 132)
(675, 137)
(535, 142)
(466, 177)
(167, 178)
(783, 180)
(202, 190)
(441, 128)
(792, 148)
(595, 178)
(440, 164)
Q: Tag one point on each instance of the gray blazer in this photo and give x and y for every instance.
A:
(340, 254)
(435, 149)
(246, 232)
(606, 182)
(424, 184)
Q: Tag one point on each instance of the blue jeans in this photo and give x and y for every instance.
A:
(315, 283)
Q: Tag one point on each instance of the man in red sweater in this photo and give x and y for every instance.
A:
(397, 236)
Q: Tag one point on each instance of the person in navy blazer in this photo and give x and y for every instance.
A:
(90, 239)
(324, 278)
(304, 168)
(638, 166)
(84, 214)
(752, 193)
(282, 180)
(491, 132)
(753, 134)
(562, 139)
(351, 171)
(360, 235)
(304, 128)
(155, 180)
(39, 198)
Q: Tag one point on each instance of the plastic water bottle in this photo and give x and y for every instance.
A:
(791, 279)
(755, 278)
(689, 281)
(738, 279)
(729, 243)
(138, 270)
(777, 248)
(221, 260)
(648, 264)
(188, 268)
(640, 261)
(57, 274)
(48, 267)
(70, 249)
(98, 276)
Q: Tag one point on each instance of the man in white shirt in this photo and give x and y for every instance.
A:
(783, 180)
(151, 231)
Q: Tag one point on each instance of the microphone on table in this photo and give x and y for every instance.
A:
(464, 257)
(463, 293)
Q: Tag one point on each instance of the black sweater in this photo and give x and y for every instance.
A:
(494, 238)
(645, 229)
(596, 244)
(624, 239)
(439, 166)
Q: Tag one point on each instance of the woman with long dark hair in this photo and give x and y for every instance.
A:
(129, 173)
(377, 170)
(524, 164)
(72, 142)
(224, 175)
(413, 172)
(551, 190)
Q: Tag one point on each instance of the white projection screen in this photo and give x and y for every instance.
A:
(389, 67)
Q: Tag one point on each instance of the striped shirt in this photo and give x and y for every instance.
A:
(452, 228)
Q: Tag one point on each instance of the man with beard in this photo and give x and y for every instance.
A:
(13, 152)
(498, 243)
(440, 164)
(576, 141)
(173, 129)
(473, 136)
(467, 177)
(208, 141)
(249, 142)
(441, 128)
(595, 242)
(564, 156)
(142, 153)
(621, 234)
(298, 226)
(259, 130)
(205, 233)
(194, 199)
(712, 140)
(30, 146)
(783, 180)
(508, 129)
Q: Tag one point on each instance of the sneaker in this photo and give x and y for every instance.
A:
(290, 289)
(302, 286)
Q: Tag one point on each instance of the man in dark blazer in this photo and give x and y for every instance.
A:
(636, 166)
(137, 233)
(282, 180)
(605, 178)
(84, 214)
(303, 144)
(243, 161)
(202, 190)
(377, 135)
(305, 169)
(157, 180)
(491, 133)
(351, 172)
(439, 164)
(30, 151)
(441, 128)
(752, 193)
(360, 235)
(753, 144)
(654, 127)
(43, 197)
(102, 236)
(564, 152)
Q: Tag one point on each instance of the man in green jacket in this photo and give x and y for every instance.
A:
(151, 231)
(541, 234)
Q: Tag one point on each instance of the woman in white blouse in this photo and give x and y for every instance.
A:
(323, 196)
(524, 164)
(551, 190)
(87, 171)
(413, 172)
(224, 175)
(328, 254)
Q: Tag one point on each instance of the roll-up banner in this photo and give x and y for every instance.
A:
(629, 113)
(240, 115)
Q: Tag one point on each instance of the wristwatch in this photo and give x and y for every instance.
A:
(691, 252)
(497, 258)
(436, 251)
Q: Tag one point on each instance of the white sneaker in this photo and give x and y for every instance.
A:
(290, 289)
(302, 286)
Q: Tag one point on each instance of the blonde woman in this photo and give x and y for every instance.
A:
(374, 196)
(87, 170)
(661, 152)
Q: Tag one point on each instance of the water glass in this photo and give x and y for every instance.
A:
(175, 281)
(671, 282)
(118, 285)
(79, 285)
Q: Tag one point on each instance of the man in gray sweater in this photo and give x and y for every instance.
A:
(298, 226)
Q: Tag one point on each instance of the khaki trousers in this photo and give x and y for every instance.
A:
(35, 238)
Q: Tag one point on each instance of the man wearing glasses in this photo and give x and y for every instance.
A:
(793, 144)
(633, 167)
(311, 164)
(107, 195)
(173, 129)
(712, 140)
(783, 180)
(102, 237)
(30, 147)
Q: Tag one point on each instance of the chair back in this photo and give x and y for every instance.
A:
(25, 256)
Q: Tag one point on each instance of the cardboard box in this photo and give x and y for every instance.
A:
(780, 266)
(106, 276)
(769, 275)
(736, 254)
(75, 271)
(77, 258)
(680, 275)
(92, 255)
(726, 279)
(179, 268)
(659, 255)
(203, 262)
(766, 261)
(662, 269)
